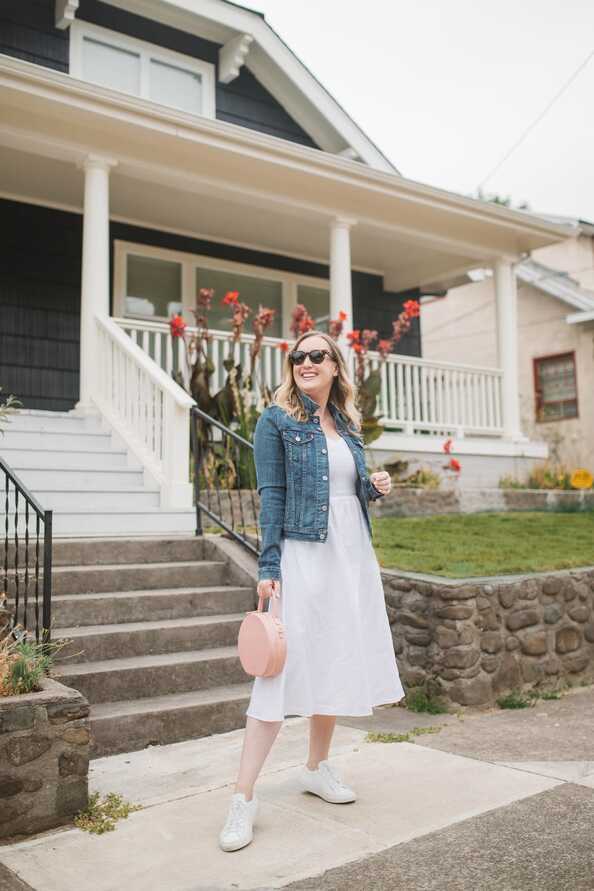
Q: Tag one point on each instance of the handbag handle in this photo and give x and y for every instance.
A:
(275, 605)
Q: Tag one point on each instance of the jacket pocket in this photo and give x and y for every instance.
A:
(300, 468)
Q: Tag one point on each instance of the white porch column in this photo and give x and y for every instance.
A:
(94, 298)
(341, 295)
(506, 299)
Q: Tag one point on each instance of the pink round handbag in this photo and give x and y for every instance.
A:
(261, 642)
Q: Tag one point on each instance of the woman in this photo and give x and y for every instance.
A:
(316, 537)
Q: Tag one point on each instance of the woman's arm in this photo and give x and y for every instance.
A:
(269, 456)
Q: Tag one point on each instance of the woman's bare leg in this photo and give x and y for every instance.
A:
(321, 728)
(257, 742)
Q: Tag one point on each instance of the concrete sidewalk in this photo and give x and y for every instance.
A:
(501, 800)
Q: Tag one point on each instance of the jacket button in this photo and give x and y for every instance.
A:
(323, 451)
(323, 507)
(322, 535)
(324, 477)
(297, 439)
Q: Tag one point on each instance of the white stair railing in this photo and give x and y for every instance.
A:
(416, 395)
(147, 409)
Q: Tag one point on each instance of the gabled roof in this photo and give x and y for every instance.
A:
(252, 42)
(557, 284)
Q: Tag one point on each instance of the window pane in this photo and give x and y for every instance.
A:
(557, 386)
(557, 379)
(252, 291)
(111, 66)
(317, 303)
(153, 287)
(176, 87)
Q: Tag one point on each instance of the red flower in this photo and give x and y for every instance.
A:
(447, 446)
(177, 326)
(283, 346)
(342, 315)
(230, 297)
(455, 465)
(412, 308)
(353, 336)
(358, 347)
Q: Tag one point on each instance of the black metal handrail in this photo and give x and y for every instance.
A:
(226, 466)
(26, 578)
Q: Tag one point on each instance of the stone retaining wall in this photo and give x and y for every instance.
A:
(404, 502)
(475, 639)
(44, 758)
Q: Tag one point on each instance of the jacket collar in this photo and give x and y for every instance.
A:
(311, 407)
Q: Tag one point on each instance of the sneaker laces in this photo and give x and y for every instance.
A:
(236, 816)
(335, 779)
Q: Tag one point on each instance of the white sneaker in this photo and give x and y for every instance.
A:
(238, 829)
(326, 783)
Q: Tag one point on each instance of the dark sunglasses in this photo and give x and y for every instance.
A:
(297, 357)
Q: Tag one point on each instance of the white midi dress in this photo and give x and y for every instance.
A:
(340, 654)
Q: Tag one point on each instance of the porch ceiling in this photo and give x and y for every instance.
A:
(223, 182)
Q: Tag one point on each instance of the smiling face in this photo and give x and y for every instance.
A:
(315, 380)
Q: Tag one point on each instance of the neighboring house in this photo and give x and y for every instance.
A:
(555, 330)
(152, 147)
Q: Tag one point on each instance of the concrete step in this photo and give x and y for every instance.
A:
(136, 576)
(123, 521)
(93, 643)
(154, 549)
(120, 607)
(129, 726)
(56, 439)
(62, 421)
(74, 459)
(63, 499)
(69, 478)
(138, 677)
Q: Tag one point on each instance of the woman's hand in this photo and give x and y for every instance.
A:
(382, 481)
(268, 588)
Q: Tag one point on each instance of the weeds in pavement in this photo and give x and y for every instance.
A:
(101, 816)
(516, 699)
(419, 700)
(399, 737)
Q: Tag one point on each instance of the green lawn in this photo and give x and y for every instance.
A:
(461, 545)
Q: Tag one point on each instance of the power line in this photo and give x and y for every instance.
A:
(557, 95)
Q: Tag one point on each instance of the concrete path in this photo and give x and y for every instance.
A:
(494, 800)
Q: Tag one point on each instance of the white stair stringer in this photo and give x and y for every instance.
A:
(79, 467)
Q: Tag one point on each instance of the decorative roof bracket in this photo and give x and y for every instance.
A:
(65, 12)
(232, 56)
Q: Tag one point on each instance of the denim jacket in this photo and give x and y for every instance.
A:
(292, 479)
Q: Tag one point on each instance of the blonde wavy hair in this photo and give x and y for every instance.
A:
(342, 393)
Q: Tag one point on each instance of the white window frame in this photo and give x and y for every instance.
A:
(147, 52)
(190, 262)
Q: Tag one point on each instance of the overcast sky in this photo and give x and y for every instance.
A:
(446, 87)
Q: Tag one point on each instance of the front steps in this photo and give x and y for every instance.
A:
(153, 626)
(77, 468)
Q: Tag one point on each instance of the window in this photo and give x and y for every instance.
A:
(253, 291)
(132, 66)
(155, 283)
(555, 387)
(153, 287)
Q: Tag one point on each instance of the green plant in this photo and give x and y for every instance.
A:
(101, 816)
(514, 699)
(388, 737)
(420, 700)
(24, 662)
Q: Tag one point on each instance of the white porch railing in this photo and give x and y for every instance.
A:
(416, 396)
(147, 408)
